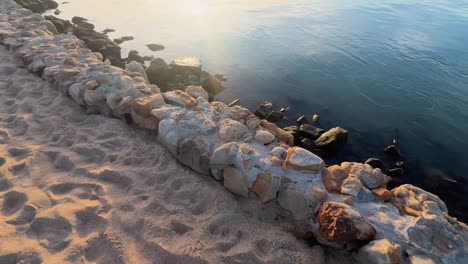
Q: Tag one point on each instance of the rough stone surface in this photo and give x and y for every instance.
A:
(302, 160)
(380, 251)
(197, 91)
(266, 186)
(351, 185)
(179, 98)
(370, 177)
(144, 105)
(333, 178)
(331, 141)
(340, 222)
(235, 182)
(264, 136)
(231, 130)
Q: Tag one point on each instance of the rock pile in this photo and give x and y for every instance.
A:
(344, 206)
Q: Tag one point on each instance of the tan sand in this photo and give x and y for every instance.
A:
(86, 189)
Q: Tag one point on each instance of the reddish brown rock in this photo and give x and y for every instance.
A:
(333, 178)
(341, 223)
(266, 186)
(280, 133)
(383, 194)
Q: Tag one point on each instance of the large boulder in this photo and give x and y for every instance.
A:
(303, 160)
(231, 130)
(341, 223)
(266, 186)
(331, 141)
(195, 153)
(235, 181)
(310, 131)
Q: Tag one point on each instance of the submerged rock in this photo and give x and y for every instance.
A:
(309, 131)
(331, 141)
(341, 223)
(264, 110)
(393, 150)
(302, 120)
(211, 84)
(133, 55)
(155, 47)
(376, 163)
(159, 72)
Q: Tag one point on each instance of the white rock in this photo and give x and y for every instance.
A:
(266, 186)
(351, 185)
(370, 177)
(264, 136)
(303, 160)
(231, 130)
(380, 252)
(180, 98)
(235, 182)
(252, 122)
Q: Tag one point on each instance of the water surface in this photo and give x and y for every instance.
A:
(381, 69)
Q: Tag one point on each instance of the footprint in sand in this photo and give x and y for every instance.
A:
(25, 217)
(4, 183)
(52, 233)
(88, 221)
(19, 153)
(2, 161)
(12, 202)
(60, 161)
(67, 187)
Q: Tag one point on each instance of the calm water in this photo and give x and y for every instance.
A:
(378, 68)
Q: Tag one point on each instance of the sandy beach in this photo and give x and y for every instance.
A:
(87, 189)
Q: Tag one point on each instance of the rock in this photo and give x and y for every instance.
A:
(370, 177)
(252, 122)
(415, 201)
(341, 223)
(231, 130)
(309, 131)
(224, 155)
(281, 134)
(187, 66)
(195, 153)
(396, 172)
(263, 110)
(211, 84)
(179, 98)
(78, 20)
(316, 118)
(376, 164)
(107, 30)
(159, 72)
(380, 251)
(295, 202)
(266, 186)
(144, 105)
(197, 91)
(264, 136)
(123, 39)
(62, 26)
(421, 259)
(274, 117)
(351, 186)
(77, 91)
(302, 120)
(138, 68)
(331, 141)
(86, 25)
(400, 164)
(133, 55)
(235, 182)
(302, 160)
(51, 27)
(392, 150)
(236, 112)
(38, 6)
(383, 194)
(307, 143)
(57, 12)
(155, 47)
(333, 178)
(318, 254)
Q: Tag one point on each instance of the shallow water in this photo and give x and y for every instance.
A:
(381, 69)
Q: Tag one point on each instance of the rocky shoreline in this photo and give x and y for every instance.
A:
(343, 206)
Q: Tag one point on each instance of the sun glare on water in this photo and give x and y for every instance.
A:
(193, 7)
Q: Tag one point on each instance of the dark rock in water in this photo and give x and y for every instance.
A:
(57, 12)
(396, 172)
(78, 20)
(395, 182)
(285, 109)
(211, 84)
(263, 110)
(133, 55)
(302, 120)
(310, 131)
(37, 6)
(392, 150)
(294, 130)
(307, 143)
(123, 39)
(155, 47)
(400, 164)
(159, 73)
(331, 141)
(274, 117)
(108, 30)
(63, 26)
(148, 58)
(86, 25)
(233, 103)
(376, 164)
